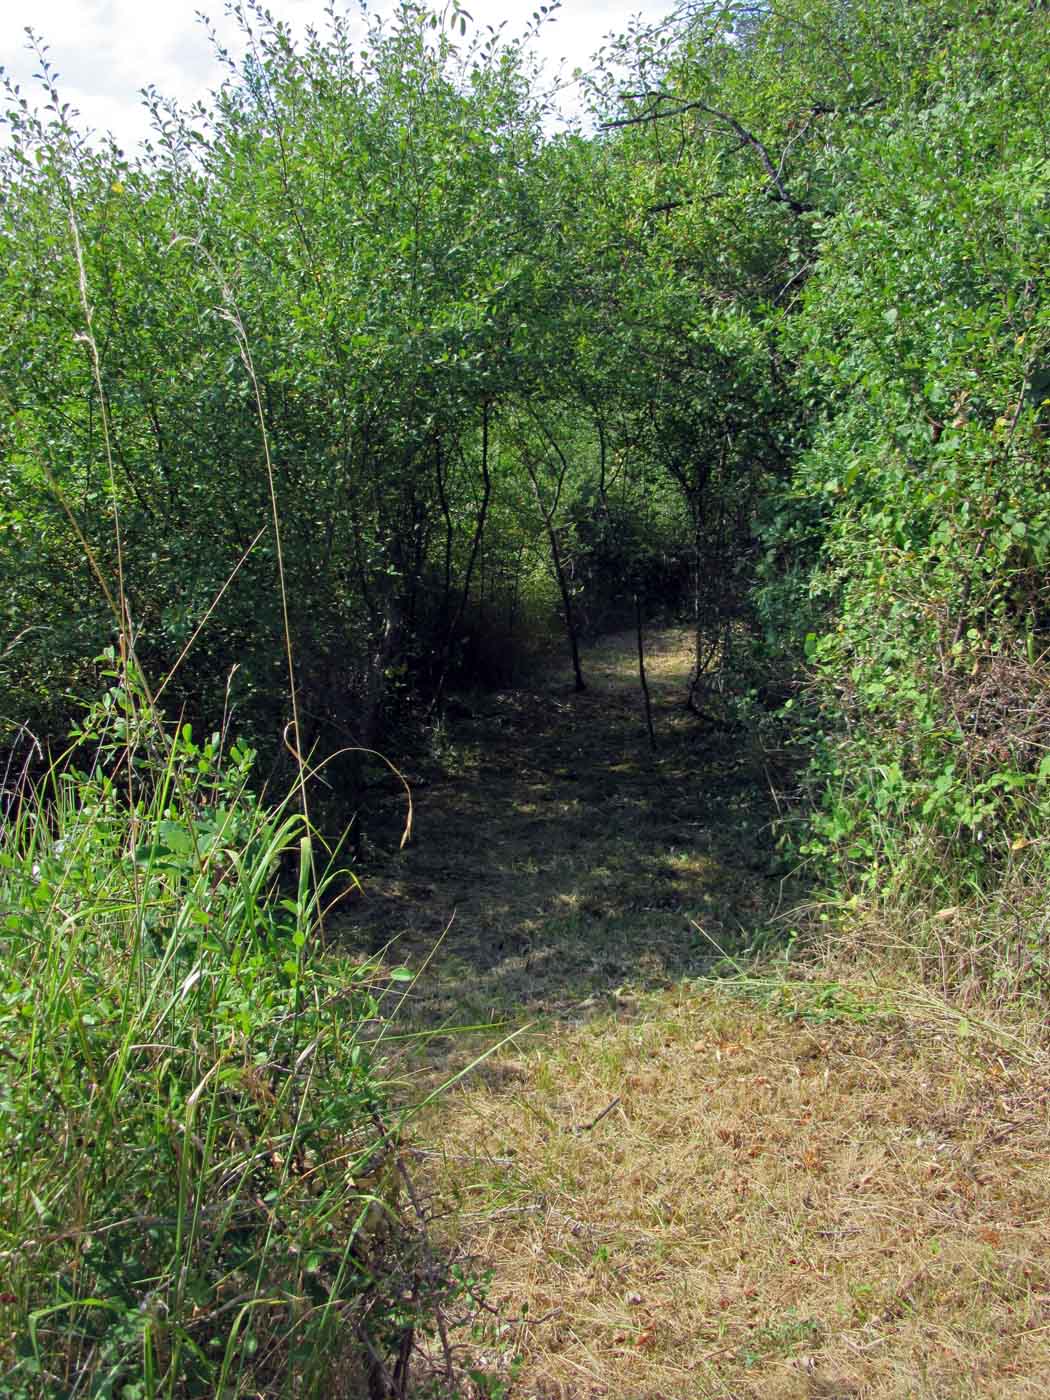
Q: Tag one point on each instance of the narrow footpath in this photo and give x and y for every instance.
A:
(557, 859)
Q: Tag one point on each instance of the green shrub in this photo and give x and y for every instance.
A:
(201, 1193)
(918, 507)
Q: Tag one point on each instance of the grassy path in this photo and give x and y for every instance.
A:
(830, 1184)
(570, 859)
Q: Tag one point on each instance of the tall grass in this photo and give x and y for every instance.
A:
(199, 1196)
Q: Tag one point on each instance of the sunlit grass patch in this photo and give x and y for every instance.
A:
(825, 1193)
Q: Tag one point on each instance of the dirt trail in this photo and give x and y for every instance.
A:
(571, 860)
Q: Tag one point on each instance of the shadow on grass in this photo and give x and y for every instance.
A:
(569, 863)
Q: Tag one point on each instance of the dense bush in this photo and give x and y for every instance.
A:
(924, 344)
(202, 1191)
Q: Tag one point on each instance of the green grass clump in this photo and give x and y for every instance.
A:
(201, 1196)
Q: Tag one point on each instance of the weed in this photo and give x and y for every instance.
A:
(810, 999)
(781, 1339)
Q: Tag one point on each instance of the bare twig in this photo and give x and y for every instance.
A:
(777, 191)
(586, 1127)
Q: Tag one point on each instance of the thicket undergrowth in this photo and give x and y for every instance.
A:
(203, 1193)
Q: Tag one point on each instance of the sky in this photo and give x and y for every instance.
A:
(106, 50)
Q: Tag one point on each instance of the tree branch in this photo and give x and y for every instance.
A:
(777, 189)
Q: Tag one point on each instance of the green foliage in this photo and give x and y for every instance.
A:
(353, 215)
(922, 339)
(771, 341)
(847, 205)
(201, 1195)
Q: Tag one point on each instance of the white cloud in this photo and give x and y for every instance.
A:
(107, 50)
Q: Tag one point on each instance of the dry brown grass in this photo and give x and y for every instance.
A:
(774, 1208)
(836, 1185)
(989, 956)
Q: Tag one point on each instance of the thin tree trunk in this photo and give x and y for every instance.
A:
(571, 630)
(512, 619)
(446, 511)
(475, 546)
(641, 671)
(566, 602)
(387, 645)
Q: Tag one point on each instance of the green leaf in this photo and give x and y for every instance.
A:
(175, 837)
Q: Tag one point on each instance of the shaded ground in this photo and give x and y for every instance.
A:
(566, 859)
